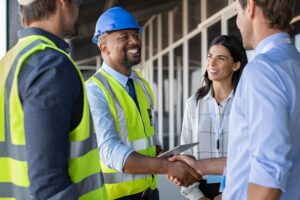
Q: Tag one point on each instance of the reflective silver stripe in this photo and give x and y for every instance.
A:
(137, 145)
(152, 140)
(90, 183)
(119, 177)
(10, 190)
(149, 98)
(80, 148)
(17, 152)
(121, 116)
(100, 77)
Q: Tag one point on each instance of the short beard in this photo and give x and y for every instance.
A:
(128, 64)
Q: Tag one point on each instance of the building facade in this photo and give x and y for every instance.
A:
(175, 50)
(175, 39)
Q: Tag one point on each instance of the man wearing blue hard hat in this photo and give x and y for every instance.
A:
(121, 102)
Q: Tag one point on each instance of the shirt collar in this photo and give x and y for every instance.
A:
(60, 43)
(274, 37)
(121, 78)
(209, 95)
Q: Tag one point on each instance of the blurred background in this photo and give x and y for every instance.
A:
(175, 41)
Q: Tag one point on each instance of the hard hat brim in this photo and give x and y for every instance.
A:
(96, 37)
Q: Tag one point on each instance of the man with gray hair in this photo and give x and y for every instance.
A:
(47, 144)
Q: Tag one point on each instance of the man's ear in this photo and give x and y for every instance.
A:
(251, 7)
(62, 2)
(103, 47)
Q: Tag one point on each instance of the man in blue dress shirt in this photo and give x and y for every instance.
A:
(263, 160)
(264, 151)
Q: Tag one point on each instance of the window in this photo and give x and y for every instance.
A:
(194, 13)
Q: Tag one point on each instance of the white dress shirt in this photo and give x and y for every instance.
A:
(198, 126)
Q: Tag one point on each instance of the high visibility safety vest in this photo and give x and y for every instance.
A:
(84, 169)
(135, 128)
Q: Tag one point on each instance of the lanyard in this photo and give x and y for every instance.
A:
(213, 114)
(275, 43)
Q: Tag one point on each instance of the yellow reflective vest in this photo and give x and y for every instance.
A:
(84, 169)
(135, 127)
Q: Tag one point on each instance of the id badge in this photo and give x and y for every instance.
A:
(223, 181)
(223, 184)
(214, 179)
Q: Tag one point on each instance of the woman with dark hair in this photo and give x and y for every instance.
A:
(207, 111)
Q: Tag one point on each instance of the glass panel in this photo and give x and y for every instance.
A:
(194, 14)
(166, 100)
(154, 32)
(213, 31)
(165, 32)
(214, 6)
(178, 94)
(194, 64)
(178, 18)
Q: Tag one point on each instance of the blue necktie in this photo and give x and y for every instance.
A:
(131, 90)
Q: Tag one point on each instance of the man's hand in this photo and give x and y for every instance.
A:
(191, 161)
(203, 166)
(182, 174)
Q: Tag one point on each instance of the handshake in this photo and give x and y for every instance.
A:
(185, 170)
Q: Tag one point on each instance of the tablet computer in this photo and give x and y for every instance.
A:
(178, 150)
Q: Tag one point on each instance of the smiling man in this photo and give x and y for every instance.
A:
(122, 107)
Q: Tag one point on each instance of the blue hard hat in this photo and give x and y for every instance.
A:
(113, 19)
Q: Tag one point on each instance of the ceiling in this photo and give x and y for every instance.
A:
(81, 46)
(91, 10)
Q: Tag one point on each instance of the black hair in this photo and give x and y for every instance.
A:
(237, 52)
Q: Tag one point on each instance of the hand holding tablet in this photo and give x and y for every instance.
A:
(177, 150)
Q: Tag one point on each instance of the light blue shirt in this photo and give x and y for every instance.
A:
(113, 153)
(264, 124)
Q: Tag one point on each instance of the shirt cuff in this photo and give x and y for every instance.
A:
(119, 158)
(192, 192)
(268, 175)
